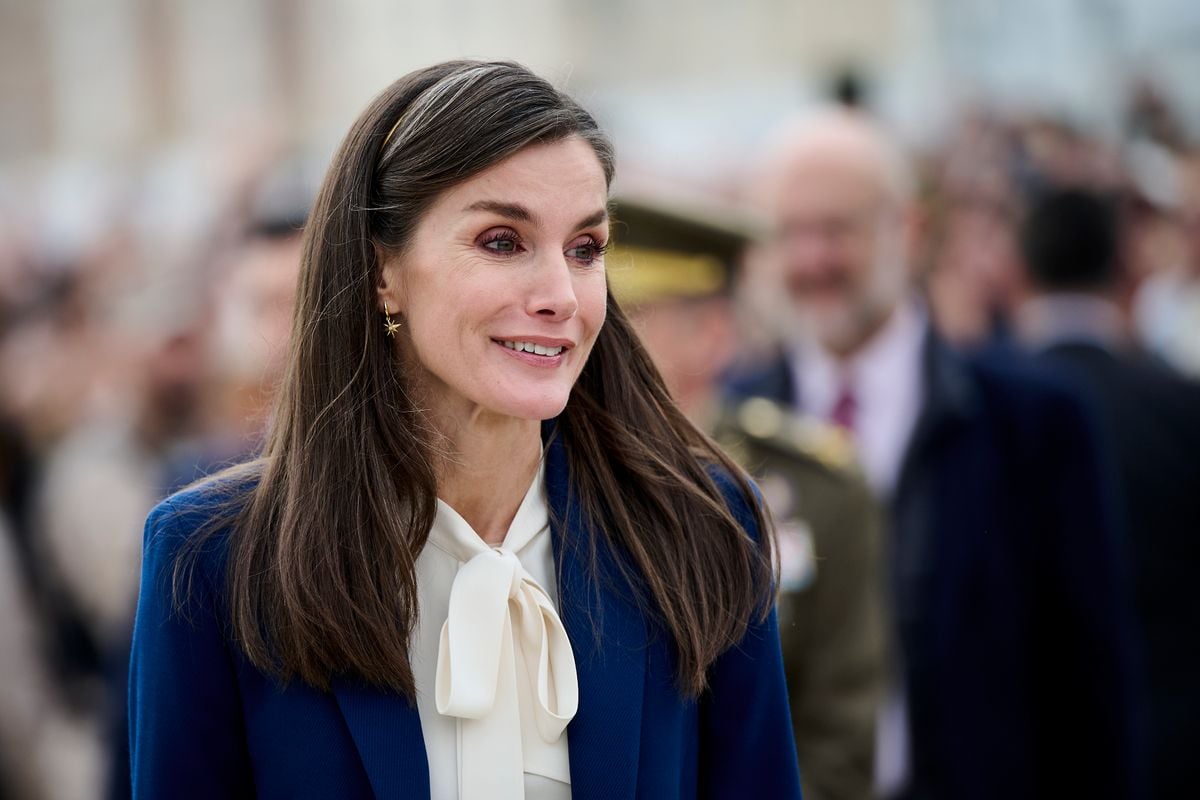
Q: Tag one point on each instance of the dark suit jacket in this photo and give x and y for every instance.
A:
(206, 724)
(1151, 417)
(1006, 597)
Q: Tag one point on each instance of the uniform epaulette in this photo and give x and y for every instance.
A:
(767, 420)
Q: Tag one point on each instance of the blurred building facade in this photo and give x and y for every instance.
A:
(127, 77)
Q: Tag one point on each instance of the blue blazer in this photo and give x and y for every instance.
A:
(204, 723)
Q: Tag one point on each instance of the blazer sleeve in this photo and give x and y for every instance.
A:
(746, 744)
(185, 724)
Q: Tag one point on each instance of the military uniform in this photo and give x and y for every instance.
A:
(830, 614)
(667, 265)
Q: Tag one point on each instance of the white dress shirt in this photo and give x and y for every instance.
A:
(885, 378)
(495, 676)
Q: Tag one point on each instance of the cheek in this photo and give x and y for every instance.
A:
(450, 310)
(861, 258)
(593, 304)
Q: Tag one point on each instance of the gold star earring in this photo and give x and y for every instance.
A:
(389, 324)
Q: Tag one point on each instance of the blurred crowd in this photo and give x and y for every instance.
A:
(134, 360)
(140, 356)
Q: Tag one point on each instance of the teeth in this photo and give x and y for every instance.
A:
(530, 347)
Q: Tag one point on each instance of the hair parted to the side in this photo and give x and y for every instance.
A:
(324, 538)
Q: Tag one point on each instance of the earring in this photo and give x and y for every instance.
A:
(389, 324)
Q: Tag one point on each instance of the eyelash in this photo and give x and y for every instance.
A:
(598, 249)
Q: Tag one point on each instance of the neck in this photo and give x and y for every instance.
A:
(486, 469)
(1050, 318)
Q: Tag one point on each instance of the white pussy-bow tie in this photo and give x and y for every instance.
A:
(505, 665)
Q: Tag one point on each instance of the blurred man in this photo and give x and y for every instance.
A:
(1011, 673)
(1151, 416)
(254, 304)
(672, 273)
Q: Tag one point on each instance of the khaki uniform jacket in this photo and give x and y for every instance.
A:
(830, 613)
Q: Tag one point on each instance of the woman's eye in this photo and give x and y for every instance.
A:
(502, 245)
(586, 252)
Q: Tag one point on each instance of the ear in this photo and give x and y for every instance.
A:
(390, 289)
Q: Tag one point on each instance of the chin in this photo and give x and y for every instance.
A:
(849, 330)
(534, 408)
(826, 324)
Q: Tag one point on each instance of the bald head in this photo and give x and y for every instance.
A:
(837, 195)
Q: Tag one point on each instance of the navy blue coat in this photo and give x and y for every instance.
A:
(1007, 594)
(204, 723)
(1152, 419)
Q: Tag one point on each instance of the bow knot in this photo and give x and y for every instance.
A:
(518, 572)
(505, 665)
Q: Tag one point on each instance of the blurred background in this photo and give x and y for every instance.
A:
(157, 159)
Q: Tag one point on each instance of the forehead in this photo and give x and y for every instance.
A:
(816, 182)
(551, 180)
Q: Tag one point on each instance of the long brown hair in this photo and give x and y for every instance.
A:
(321, 561)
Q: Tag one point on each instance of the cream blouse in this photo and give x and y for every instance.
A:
(495, 675)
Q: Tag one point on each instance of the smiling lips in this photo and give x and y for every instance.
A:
(531, 347)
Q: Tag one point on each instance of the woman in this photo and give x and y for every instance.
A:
(482, 555)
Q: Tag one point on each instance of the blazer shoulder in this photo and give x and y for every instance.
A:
(1025, 384)
(196, 520)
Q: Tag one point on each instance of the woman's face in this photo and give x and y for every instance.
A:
(502, 288)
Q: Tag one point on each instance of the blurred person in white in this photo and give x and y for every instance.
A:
(65, 367)
(100, 478)
(180, 401)
(110, 469)
(1167, 308)
(44, 754)
(1011, 669)
(175, 389)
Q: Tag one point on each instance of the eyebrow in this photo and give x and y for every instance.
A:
(519, 213)
(593, 219)
(513, 211)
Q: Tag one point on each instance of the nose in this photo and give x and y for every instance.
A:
(810, 248)
(552, 289)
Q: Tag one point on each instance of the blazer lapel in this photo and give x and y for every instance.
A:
(608, 637)
(387, 732)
